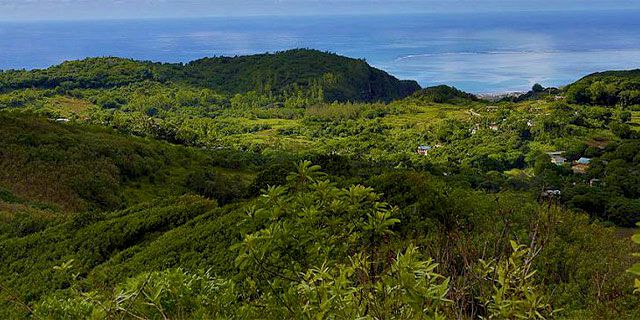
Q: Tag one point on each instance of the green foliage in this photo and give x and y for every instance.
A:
(88, 73)
(607, 88)
(170, 294)
(294, 74)
(537, 88)
(443, 94)
(326, 75)
(79, 167)
(410, 289)
(514, 293)
(88, 239)
(636, 267)
(615, 197)
(97, 222)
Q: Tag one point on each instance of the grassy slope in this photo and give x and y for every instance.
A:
(87, 240)
(73, 167)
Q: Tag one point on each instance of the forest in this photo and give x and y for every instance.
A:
(306, 185)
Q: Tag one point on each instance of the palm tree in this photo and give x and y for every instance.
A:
(305, 173)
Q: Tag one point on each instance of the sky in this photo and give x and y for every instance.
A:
(18, 10)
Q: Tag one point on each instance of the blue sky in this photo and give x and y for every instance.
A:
(114, 9)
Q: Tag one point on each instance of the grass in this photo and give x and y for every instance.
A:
(70, 107)
(423, 117)
(635, 120)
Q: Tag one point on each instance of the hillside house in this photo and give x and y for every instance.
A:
(424, 150)
(474, 129)
(551, 193)
(557, 158)
(581, 165)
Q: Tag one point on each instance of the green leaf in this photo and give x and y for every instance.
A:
(635, 269)
(636, 238)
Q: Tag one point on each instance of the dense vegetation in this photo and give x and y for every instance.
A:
(289, 185)
(607, 88)
(320, 75)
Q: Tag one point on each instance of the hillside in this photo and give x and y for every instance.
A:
(442, 94)
(73, 167)
(324, 76)
(68, 269)
(136, 190)
(606, 88)
(339, 78)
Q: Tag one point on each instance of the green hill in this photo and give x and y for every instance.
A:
(226, 189)
(91, 73)
(606, 88)
(72, 167)
(339, 78)
(442, 94)
(326, 76)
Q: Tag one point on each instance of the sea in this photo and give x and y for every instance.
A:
(489, 52)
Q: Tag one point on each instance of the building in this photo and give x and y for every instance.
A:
(551, 193)
(424, 150)
(557, 158)
(583, 160)
(474, 129)
(581, 165)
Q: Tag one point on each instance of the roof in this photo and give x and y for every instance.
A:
(558, 159)
(583, 160)
(425, 147)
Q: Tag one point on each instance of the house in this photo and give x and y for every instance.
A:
(595, 182)
(581, 165)
(557, 158)
(529, 123)
(494, 126)
(474, 129)
(62, 120)
(424, 150)
(551, 193)
(583, 160)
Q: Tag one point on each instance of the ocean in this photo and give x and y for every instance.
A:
(478, 53)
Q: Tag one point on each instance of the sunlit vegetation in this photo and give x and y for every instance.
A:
(306, 185)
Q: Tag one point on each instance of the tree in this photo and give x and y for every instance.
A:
(514, 294)
(537, 88)
(636, 267)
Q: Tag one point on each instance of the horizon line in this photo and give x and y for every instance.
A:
(299, 14)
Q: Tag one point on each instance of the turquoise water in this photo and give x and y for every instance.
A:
(480, 53)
